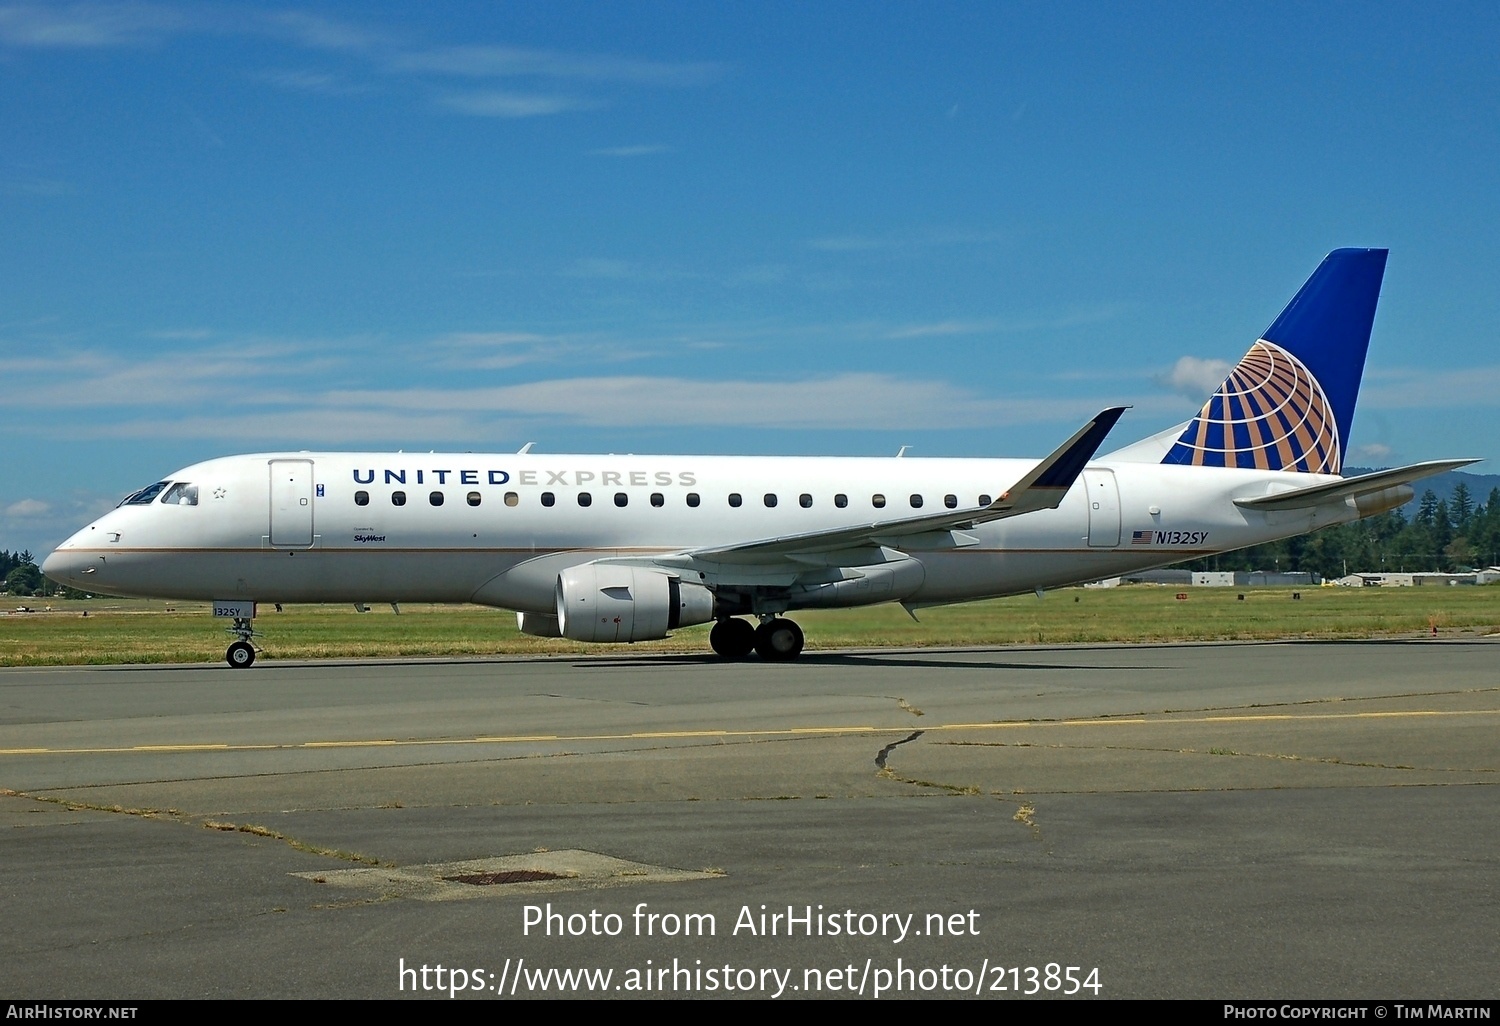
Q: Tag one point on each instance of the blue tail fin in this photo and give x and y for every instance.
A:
(1289, 403)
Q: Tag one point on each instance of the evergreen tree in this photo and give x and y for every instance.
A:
(1461, 509)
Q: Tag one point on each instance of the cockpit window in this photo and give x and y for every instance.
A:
(145, 495)
(181, 494)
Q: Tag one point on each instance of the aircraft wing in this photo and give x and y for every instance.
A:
(1042, 488)
(1349, 488)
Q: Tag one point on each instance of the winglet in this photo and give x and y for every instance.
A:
(1050, 479)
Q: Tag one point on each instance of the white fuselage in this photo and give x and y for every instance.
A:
(327, 527)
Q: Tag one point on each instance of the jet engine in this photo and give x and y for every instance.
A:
(540, 625)
(605, 602)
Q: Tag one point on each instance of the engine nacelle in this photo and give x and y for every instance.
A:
(538, 625)
(605, 602)
(883, 582)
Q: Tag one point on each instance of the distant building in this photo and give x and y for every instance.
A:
(1418, 580)
(1173, 577)
(1273, 578)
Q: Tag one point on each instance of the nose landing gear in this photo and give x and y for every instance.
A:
(241, 654)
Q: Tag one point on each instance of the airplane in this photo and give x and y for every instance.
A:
(630, 548)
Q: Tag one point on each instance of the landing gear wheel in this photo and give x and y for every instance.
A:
(731, 638)
(778, 640)
(240, 655)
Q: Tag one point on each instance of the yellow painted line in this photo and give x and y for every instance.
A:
(684, 733)
(349, 744)
(1128, 721)
(179, 748)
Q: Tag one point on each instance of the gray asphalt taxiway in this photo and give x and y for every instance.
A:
(1314, 819)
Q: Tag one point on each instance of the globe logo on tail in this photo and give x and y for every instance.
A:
(1269, 414)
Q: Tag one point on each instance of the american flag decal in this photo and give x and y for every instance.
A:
(1140, 537)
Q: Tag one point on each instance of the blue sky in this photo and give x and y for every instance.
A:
(728, 227)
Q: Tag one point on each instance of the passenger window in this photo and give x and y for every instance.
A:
(436, 498)
(984, 500)
(878, 501)
(511, 499)
(585, 499)
(693, 500)
(398, 498)
(473, 498)
(621, 499)
(181, 494)
(361, 498)
(734, 499)
(658, 499)
(951, 501)
(548, 499)
(770, 500)
(805, 500)
(841, 500)
(916, 501)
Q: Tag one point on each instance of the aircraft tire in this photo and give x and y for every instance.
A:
(778, 640)
(240, 655)
(731, 638)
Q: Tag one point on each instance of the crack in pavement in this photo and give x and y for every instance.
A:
(886, 751)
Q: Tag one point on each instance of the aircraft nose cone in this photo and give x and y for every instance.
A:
(65, 568)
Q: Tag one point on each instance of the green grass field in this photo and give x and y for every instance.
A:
(137, 631)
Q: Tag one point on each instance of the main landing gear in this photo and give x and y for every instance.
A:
(776, 640)
(241, 654)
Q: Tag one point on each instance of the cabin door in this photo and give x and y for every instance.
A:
(1104, 508)
(291, 502)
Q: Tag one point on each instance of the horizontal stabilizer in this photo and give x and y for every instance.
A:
(1350, 488)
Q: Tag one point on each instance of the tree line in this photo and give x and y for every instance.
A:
(1443, 535)
(23, 577)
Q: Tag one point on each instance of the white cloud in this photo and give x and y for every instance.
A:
(643, 150)
(494, 103)
(316, 82)
(356, 428)
(1375, 453)
(321, 33)
(940, 328)
(1415, 388)
(847, 401)
(27, 508)
(87, 25)
(494, 338)
(515, 62)
(183, 378)
(1194, 377)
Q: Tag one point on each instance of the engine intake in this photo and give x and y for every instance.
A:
(605, 602)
